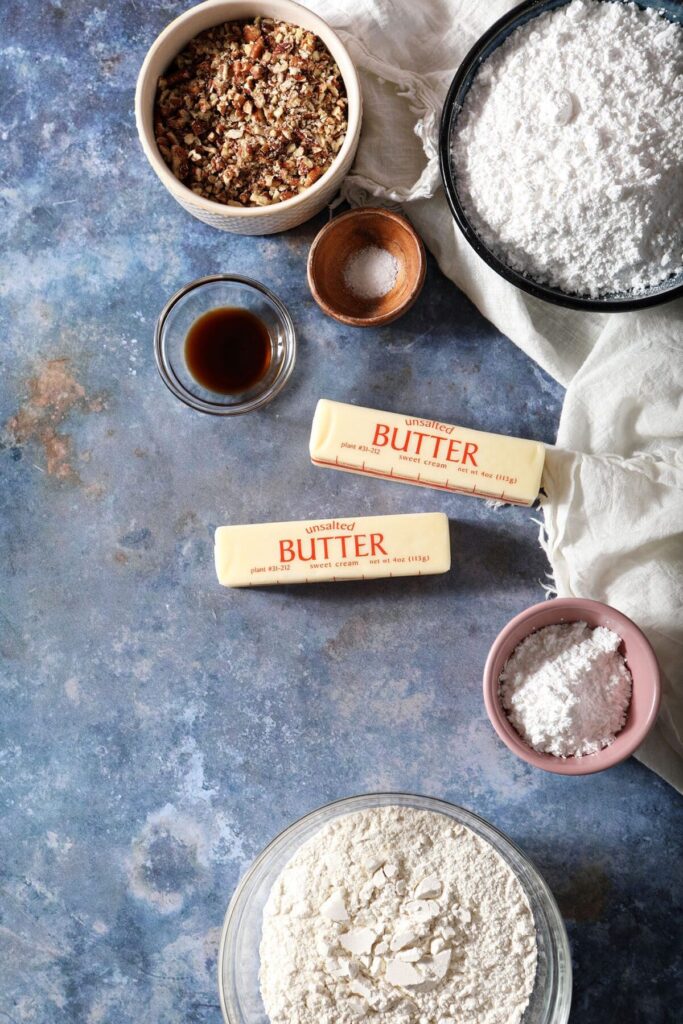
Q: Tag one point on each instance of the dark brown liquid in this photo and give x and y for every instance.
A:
(228, 350)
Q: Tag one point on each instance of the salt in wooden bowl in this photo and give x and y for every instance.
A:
(351, 233)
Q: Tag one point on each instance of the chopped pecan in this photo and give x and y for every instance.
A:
(258, 48)
(260, 108)
(312, 176)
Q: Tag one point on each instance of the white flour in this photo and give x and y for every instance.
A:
(566, 689)
(399, 916)
(568, 151)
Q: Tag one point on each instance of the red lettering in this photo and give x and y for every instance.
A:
(438, 441)
(381, 438)
(394, 442)
(471, 450)
(302, 556)
(452, 446)
(376, 541)
(286, 553)
(420, 438)
(308, 548)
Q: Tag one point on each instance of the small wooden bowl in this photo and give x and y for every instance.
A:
(349, 233)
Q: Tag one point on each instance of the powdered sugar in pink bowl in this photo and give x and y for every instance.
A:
(641, 662)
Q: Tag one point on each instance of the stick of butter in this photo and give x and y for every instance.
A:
(364, 548)
(426, 452)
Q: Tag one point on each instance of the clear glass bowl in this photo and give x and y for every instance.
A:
(198, 298)
(238, 958)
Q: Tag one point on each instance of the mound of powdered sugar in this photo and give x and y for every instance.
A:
(401, 916)
(566, 689)
(568, 151)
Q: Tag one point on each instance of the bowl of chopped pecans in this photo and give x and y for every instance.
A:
(249, 114)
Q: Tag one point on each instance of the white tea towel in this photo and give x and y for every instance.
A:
(614, 506)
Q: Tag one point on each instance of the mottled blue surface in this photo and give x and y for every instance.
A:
(158, 730)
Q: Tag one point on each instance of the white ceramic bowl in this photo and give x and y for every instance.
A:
(259, 220)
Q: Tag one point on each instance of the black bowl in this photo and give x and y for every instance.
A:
(665, 291)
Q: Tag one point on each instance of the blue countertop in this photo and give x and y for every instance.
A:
(157, 730)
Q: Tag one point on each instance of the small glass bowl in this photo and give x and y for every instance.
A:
(198, 298)
(238, 956)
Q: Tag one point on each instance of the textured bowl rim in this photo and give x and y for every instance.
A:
(215, 409)
(288, 11)
(499, 30)
(381, 319)
(589, 764)
(437, 805)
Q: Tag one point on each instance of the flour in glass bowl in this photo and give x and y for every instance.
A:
(400, 916)
(568, 151)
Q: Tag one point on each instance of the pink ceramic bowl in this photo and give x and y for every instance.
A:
(640, 659)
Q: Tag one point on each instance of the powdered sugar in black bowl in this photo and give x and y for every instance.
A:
(565, 211)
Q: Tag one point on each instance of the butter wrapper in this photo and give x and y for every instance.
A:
(319, 550)
(411, 450)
